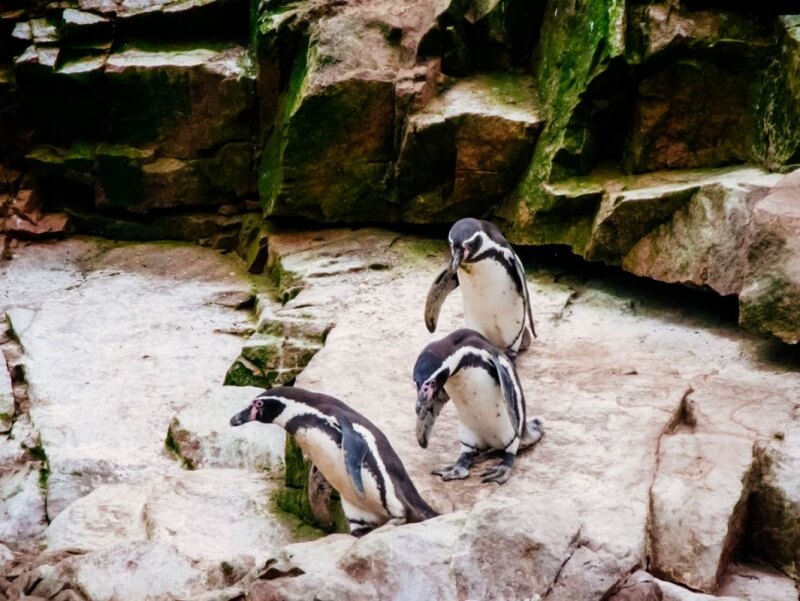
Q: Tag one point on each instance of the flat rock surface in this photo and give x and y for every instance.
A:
(118, 340)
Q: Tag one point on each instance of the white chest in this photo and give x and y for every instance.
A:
(481, 407)
(329, 459)
(492, 305)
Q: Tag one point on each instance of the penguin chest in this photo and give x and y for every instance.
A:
(481, 408)
(492, 305)
(326, 453)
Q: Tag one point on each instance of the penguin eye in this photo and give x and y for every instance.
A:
(259, 404)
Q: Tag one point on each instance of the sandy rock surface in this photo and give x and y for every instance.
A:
(664, 423)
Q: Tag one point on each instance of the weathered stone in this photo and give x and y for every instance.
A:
(770, 300)
(639, 586)
(513, 550)
(207, 529)
(757, 583)
(773, 529)
(202, 437)
(660, 28)
(699, 502)
(466, 149)
(330, 156)
(42, 226)
(106, 427)
(674, 592)
(693, 113)
(79, 25)
(22, 504)
(7, 402)
(204, 98)
(705, 242)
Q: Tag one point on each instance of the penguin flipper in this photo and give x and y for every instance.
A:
(444, 284)
(525, 294)
(355, 448)
(509, 389)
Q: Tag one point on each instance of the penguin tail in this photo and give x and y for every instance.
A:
(419, 510)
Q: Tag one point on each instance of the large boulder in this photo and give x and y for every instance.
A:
(770, 300)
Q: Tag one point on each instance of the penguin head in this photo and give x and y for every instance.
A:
(466, 238)
(264, 408)
(429, 378)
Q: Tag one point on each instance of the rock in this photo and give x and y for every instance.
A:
(23, 509)
(6, 556)
(639, 586)
(674, 592)
(348, 67)
(105, 426)
(691, 114)
(773, 534)
(7, 402)
(465, 150)
(757, 583)
(185, 534)
(704, 242)
(202, 437)
(188, 118)
(77, 25)
(769, 301)
(660, 28)
(699, 501)
(52, 224)
(513, 550)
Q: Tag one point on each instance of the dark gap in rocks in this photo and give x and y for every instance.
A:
(763, 8)
(223, 19)
(771, 529)
(684, 303)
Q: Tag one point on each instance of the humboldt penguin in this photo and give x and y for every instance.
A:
(485, 389)
(493, 286)
(352, 454)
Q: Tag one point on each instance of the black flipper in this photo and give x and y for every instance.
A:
(509, 391)
(444, 284)
(355, 448)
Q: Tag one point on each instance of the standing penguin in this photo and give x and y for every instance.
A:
(353, 455)
(492, 280)
(488, 398)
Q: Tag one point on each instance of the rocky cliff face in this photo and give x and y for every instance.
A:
(600, 125)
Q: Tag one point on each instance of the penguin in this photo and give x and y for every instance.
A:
(352, 454)
(485, 389)
(494, 290)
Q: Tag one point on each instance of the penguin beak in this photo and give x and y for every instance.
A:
(458, 256)
(242, 417)
(427, 412)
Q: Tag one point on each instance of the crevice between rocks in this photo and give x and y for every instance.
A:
(574, 545)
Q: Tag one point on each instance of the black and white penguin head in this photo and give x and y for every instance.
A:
(430, 376)
(466, 240)
(265, 408)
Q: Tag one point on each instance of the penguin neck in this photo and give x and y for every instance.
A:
(456, 360)
(294, 409)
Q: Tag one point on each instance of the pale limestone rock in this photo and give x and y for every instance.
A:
(769, 301)
(109, 516)
(639, 586)
(674, 592)
(757, 583)
(513, 549)
(204, 438)
(7, 409)
(22, 505)
(699, 500)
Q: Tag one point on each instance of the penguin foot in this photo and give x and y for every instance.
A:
(499, 473)
(455, 471)
(534, 430)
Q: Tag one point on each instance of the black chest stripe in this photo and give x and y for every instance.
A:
(510, 267)
(474, 360)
